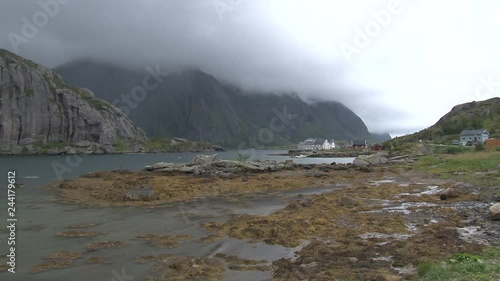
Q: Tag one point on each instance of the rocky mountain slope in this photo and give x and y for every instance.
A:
(473, 115)
(195, 105)
(40, 113)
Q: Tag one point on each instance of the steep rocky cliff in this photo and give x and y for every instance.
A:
(39, 113)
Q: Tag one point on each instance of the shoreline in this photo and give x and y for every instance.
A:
(382, 222)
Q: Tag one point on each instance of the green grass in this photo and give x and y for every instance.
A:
(44, 148)
(121, 145)
(476, 168)
(465, 162)
(485, 266)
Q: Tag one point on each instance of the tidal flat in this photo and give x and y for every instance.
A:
(345, 223)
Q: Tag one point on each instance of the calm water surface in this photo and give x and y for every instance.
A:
(40, 218)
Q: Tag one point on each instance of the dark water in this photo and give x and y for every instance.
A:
(40, 219)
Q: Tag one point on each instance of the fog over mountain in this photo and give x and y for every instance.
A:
(399, 65)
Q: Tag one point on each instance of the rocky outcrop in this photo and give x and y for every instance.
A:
(39, 113)
(204, 159)
(208, 165)
(373, 159)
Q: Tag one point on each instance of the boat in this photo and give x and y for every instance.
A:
(300, 156)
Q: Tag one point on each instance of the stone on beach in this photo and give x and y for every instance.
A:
(495, 212)
(374, 159)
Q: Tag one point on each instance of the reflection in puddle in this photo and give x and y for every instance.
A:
(123, 224)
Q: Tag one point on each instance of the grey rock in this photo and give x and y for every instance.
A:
(37, 107)
(423, 149)
(84, 143)
(53, 152)
(219, 167)
(495, 212)
(17, 150)
(70, 151)
(450, 193)
(373, 159)
(203, 159)
(365, 169)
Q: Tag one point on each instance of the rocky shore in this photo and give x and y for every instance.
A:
(382, 218)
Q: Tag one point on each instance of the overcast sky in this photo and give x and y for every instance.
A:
(400, 65)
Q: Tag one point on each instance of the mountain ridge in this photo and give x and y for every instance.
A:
(195, 105)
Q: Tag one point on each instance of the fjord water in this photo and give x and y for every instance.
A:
(40, 218)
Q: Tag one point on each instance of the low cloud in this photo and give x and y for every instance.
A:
(408, 75)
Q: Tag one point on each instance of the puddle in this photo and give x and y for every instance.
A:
(377, 183)
(387, 259)
(39, 231)
(472, 234)
(431, 190)
(402, 207)
(376, 235)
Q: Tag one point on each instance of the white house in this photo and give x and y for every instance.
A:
(316, 144)
(474, 136)
(328, 145)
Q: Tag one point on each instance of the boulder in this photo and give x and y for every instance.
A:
(70, 151)
(359, 161)
(423, 149)
(365, 169)
(449, 193)
(373, 159)
(143, 193)
(203, 159)
(495, 212)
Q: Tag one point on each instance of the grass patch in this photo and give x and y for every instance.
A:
(44, 148)
(482, 169)
(464, 267)
(121, 145)
(466, 162)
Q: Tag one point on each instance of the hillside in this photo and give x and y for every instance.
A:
(473, 115)
(39, 113)
(195, 105)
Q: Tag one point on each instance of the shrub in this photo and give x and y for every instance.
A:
(480, 146)
(453, 150)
